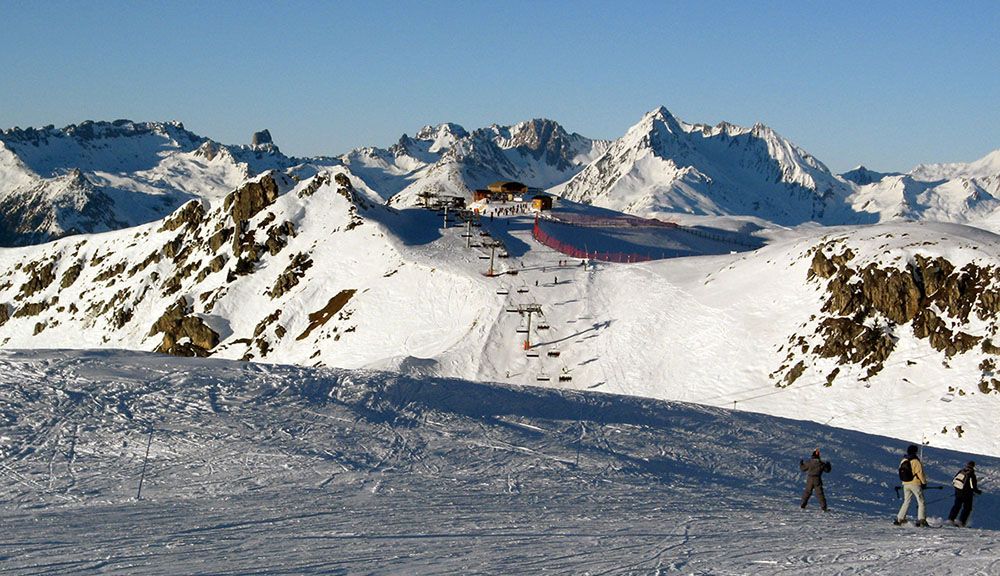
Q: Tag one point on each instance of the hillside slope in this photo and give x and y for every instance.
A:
(843, 321)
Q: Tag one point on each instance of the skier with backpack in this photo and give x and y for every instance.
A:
(814, 470)
(911, 472)
(966, 485)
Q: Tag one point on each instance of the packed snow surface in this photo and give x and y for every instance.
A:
(274, 469)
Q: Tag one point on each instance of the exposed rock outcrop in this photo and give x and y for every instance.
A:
(290, 277)
(246, 201)
(40, 276)
(191, 214)
(183, 333)
(866, 306)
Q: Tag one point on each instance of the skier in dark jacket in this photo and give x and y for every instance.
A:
(965, 486)
(814, 469)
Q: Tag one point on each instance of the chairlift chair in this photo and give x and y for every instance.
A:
(542, 377)
(553, 353)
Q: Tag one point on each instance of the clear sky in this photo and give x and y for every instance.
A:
(886, 84)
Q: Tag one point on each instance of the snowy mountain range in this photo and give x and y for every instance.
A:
(957, 192)
(99, 176)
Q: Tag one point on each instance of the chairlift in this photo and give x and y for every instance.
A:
(484, 234)
(543, 327)
(513, 309)
(503, 291)
(553, 353)
(503, 255)
(542, 377)
(522, 290)
(531, 354)
(522, 330)
(483, 257)
(565, 378)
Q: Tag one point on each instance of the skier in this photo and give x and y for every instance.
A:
(911, 472)
(814, 470)
(965, 486)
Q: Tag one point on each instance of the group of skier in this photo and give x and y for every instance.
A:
(914, 482)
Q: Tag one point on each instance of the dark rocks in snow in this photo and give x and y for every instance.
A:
(865, 305)
(111, 273)
(290, 277)
(191, 214)
(261, 138)
(317, 182)
(183, 333)
(70, 275)
(4, 313)
(151, 259)
(40, 276)
(214, 265)
(219, 239)
(246, 201)
(33, 308)
(277, 237)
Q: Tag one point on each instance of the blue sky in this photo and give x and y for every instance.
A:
(886, 84)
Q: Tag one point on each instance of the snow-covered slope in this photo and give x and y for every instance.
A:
(665, 165)
(275, 469)
(99, 176)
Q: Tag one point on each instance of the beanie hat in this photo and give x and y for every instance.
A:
(912, 450)
(971, 464)
(816, 453)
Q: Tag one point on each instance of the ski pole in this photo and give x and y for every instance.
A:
(145, 459)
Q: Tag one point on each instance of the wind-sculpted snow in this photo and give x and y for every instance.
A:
(276, 469)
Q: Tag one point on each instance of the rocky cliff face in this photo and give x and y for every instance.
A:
(869, 304)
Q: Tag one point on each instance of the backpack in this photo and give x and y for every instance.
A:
(960, 479)
(905, 470)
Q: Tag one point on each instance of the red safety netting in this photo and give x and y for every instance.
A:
(544, 238)
(617, 221)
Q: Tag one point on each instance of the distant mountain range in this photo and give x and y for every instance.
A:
(99, 176)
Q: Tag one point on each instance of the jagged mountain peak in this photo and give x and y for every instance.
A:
(863, 176)
(261, 139)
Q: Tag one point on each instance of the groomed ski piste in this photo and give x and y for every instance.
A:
(267, 469)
